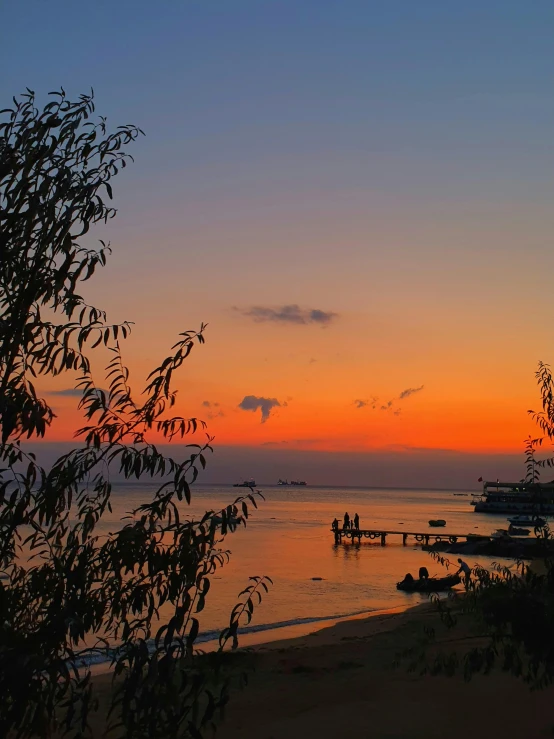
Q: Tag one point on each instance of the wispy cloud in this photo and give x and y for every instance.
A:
(255, 403)
(288, 314)
(70, 392)
(388, 406)
(366, 402)
(410, 391)
(214, 409)
(423, 449)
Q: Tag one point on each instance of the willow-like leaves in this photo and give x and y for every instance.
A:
(66, 591)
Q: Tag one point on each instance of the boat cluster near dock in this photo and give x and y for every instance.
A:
(515, 497)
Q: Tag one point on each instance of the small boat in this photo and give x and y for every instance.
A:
(246, 484)
(501, 534)
(437, 522)
(532, 521)
(515, 531)
(283, 482)
(429, 585)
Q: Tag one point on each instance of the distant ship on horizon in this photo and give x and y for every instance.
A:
(246, 484)
(292, 482)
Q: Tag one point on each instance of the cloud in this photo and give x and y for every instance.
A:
(213, 412)
(423, 449)
(410, 391)
(70, 392)
(254, 403)
(289, 314)
(388, 405)
(321, 316)
(365, 402)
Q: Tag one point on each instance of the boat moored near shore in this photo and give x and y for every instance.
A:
(515, 497)
(429, 584)
(532, 521)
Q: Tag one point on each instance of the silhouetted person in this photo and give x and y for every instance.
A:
(466, 569)
(335, 525)
(357, 522)
(408, 578)
(346, 521)
(423, 573)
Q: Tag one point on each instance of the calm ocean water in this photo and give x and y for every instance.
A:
(288, 538)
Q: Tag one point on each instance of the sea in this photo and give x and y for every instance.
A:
(289, 539)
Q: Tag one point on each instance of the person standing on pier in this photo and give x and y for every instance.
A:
(335, 525)
(357, 522)
(346, 521)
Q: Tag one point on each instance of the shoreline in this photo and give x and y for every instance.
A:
(342, 679)
(259, 639)
(267, 638)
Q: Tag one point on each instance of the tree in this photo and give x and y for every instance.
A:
(509, 615)
(66, 591)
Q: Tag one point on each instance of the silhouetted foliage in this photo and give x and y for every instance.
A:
(66, 591)
(508, 612)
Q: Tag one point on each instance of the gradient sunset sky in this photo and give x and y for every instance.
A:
(355, 196)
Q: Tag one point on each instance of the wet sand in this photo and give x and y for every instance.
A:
(342, 681)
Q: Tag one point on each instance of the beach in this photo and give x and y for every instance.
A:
(321, 650)
(342, 680)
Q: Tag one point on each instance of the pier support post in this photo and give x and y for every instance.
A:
(337, 537)
(426, 540)
(404, 537)
(383, 539)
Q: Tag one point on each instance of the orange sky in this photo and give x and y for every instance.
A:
(409, 305)
(319, 376)
(392, 171)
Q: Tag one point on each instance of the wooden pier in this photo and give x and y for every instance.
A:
(421, 538)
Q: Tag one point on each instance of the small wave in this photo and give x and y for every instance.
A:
(105, 656)
(256, 628)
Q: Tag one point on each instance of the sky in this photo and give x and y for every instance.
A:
(354, 196)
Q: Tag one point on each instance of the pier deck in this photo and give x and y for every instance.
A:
(420, 537)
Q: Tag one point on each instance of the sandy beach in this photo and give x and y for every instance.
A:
(342, 680)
